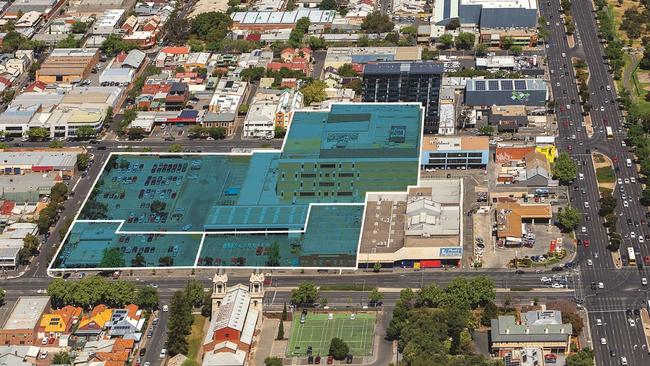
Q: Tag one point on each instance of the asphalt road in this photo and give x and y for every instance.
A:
(622, 287)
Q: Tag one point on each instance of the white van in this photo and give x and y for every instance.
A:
(628, 163)
(623, 361)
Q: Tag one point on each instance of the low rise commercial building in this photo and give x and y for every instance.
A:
(512, 217)
(339, 56)
(21, 326)
(67, 65)
(420, 228)
(487, 13)
(11, 241)
(488, 92)
(108, 22)
(224, 105)
(452, 152)
(271, 110)
(538, 329)
(268, 20)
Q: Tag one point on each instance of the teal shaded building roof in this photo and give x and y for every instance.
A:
(370, 131)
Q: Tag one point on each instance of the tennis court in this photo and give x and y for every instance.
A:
(318, 331)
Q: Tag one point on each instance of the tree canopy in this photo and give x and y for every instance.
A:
(376, 22)
(564, 169)
(314, 92)
(338, 349)
(305, 295)
(584, 357)
(569, 218)
(211, 26)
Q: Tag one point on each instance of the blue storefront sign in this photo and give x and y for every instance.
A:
(451, 252)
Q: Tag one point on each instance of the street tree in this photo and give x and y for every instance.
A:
(481, 49)
(507, 42)
(305, 295)
(375, 296)
(446, 41)
(175, 148)
(486, 130)
(465, 40)
(147, 297)
(645, 196)
(37, 133)
(584, 357)
(179, 325)
(85, 132)
(135, 133)
(607, 204)
(82, 161)
(568, 218)
(194, 291)
(564, 169)
(338, 349)
(516, 50)
(453, 24)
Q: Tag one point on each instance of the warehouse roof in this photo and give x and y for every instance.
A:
(26, 312)
(283, 17)
(58, 159)
(502, 4)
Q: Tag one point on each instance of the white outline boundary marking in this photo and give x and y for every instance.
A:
(52, 270)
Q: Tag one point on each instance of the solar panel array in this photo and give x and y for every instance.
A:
(520, 85)
(493, 84)
(479, 84)
(506, 84)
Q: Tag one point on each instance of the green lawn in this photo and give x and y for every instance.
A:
(318, 331)
(605, 175)
(196, 337)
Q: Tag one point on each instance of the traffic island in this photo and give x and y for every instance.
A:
(605, 175)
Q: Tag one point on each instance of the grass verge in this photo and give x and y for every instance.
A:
(605, 174)
(196, 337)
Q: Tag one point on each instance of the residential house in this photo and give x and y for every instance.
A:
(59, 322)
(538, 170)
(172, 56)
(296, 65)
(93, 324)
(125, 323)
(291, 54)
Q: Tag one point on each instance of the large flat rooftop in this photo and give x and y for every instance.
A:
(234, 209)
